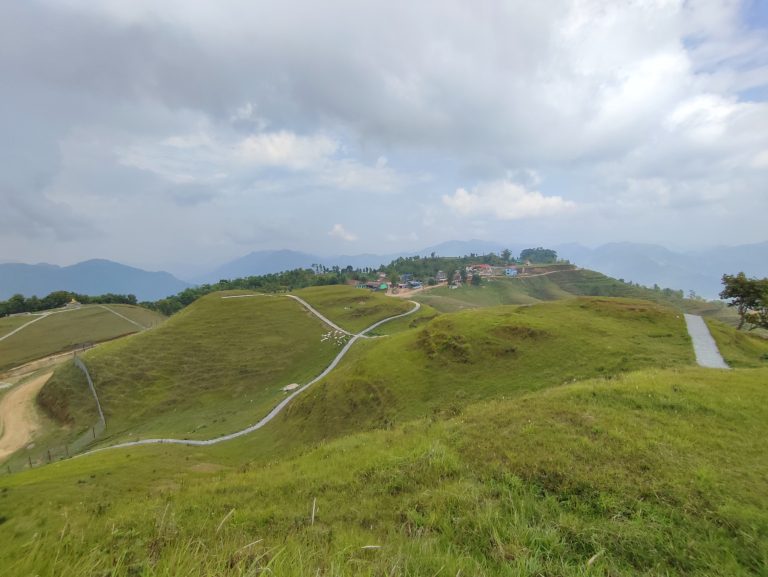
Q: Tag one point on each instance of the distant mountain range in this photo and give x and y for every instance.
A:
(272, 261)
(92, 277)
(646, 264)
(700, 271)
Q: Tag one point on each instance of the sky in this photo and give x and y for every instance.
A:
(181, 134)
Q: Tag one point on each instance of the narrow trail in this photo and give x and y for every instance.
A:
(18, 417)
(46, 314)
(24, 326)
(114, 312)
(322, 317)
(280, 406)
(705, 347)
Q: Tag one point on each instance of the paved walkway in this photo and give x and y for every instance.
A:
(707, 353)
(280, 406)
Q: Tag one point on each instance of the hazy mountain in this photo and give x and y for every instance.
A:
(92, 277)
(273, 261)
(646, 264)
(652, 264)
(260, 262)
(465, 247)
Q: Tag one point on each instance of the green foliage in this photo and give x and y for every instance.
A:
(538, 255)
(749, 296)
(739, 349)
(18, 304)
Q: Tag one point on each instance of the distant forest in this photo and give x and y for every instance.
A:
(424, 268)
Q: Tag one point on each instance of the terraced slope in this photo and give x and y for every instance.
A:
(63, 331)
(217, 366)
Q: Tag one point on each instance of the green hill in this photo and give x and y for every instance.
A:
(560, 285)
(496, 352)
(351, 308)
(214, 368)
(571, 437)
(655, 472)
(62, 331)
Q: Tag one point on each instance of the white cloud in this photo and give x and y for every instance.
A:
(349, 174)
(339, 231)
(204, 157)
(505, 200)
(287, 150)
(704, 117)
(236, 109)
(760, 160)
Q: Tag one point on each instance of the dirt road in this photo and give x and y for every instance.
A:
(18, 417)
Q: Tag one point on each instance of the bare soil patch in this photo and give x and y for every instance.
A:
(18, 416)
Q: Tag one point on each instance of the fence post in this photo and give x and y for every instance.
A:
(30, 461)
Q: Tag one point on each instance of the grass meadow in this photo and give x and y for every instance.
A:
(60, 332)
(214, 368)
(654, 472)
(351, 308)
(572, 438)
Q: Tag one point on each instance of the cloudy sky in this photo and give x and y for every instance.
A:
(182, 133)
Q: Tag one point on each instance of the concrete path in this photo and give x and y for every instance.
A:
(707, 353)
(278, 409)
(24, 326)
(323, 318)
(114, 312)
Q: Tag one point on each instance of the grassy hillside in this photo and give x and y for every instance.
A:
(351, 308)
(63, 331)
(652, 473)
(9, 324)
(498, 352)
(739, 348)
(216, 367)
(560, 285)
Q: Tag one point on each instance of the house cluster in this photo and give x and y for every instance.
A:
(407, 281)
(486, 270)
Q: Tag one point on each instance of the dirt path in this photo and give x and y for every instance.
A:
(18, 418)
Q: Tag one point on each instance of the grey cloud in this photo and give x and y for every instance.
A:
(452, 93)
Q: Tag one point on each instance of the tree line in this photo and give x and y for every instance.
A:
(421, 267)
(18, 303)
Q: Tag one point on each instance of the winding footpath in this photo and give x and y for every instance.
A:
(280, 406)
(707, 353)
